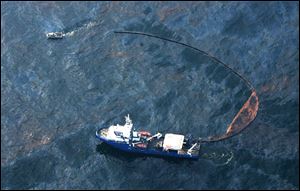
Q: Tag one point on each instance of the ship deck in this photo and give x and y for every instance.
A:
(157, 144)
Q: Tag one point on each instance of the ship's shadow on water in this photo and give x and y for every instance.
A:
(105, 149)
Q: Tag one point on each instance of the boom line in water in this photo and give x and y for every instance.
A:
(245, 115)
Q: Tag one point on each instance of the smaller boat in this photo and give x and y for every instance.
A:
(55, 35)
(125, 138)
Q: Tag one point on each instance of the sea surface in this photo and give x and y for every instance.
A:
(56, 93)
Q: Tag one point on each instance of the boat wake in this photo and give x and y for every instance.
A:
(85, 26)
(219, 157)
(70, 31)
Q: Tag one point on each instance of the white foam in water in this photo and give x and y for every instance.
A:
(91, 24)
(69, 34)
(87, 26)
(219, 157)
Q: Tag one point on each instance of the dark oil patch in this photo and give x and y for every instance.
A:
(76, 148)
(28, 172)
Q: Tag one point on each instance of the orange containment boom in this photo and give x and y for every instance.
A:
(241, 120)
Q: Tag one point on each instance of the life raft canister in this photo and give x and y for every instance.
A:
(141, 145)
(144, 133)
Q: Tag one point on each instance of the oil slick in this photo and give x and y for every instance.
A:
(245, 115)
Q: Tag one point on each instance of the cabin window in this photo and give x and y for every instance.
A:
(118, 133)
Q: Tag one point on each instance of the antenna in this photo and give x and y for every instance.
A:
(128, 120)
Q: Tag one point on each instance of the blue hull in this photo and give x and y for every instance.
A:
(127, 148)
